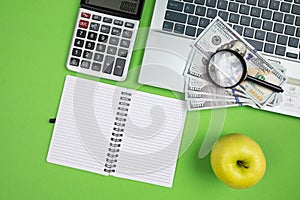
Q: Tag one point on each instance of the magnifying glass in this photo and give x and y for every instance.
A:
(227, 68)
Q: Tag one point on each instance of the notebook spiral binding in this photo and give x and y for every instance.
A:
(117, 133)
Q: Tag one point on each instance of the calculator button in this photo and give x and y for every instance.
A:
(96, 67)
(81, 33)
(122, 53)
(92, 36)
(87, 54)
(78, 43)
(83, 24)
(74, 62)
(98, 57)
(85, 64)
(85, 15)
(127, 34)
(119, 68)
(100, 47)
(112, 50)
(94, 26)
(90, 45)
(116, 31)
(118, 22)
(105, 29)
(108, 64)
(125, 43)
(102, 38)
(107, 20)
(76, 52)
(129, 25)
(114, 41)
(96, 17)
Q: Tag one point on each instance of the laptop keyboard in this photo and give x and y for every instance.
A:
(270, 26)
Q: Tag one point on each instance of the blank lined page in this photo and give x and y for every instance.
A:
(151, 140)
(83, 126)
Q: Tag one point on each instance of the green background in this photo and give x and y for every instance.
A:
(34, 43)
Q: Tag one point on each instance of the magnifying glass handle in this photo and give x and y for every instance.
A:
(268, 85)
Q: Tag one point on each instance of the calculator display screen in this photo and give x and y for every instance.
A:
(129, 6)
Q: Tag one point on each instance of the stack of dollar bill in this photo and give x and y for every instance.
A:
(201, 93)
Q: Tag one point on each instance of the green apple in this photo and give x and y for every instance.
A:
(238, 161)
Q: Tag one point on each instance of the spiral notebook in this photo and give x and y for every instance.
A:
(117, 131)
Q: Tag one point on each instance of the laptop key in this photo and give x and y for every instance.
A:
(267, 25)
(190, 31)
(289, 19)
(249, 32)
(233, 7)
(282, 39)
(263, 3)
(256, 44)
(277, 16)
(201, 2)
(298, 32)
(175, 5)
(199, 31)
(168, 26)
(280, 50)
(234, 18)
(256, 23)
(285, 7)
(291, 55)
(266, 14)
(245, 20)
(289, 30)
(222, 4)
(176, 17)
(179, 28)
(211, 13)
(296, 9)
(293, 42)
(193, 20)
(203, 22)
(200, 11)
(271, 37)
(252, 2)
(255, 12)
(223, 15)
(278, 28)
(274, 5)
(211, 3)
(244, 9)
(238, 29)
(189, 8)
(260, 35)
(269, 48)
(297, 22)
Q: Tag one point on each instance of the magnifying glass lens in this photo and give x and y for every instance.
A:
(225, 69)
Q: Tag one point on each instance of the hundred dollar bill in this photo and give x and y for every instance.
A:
(190, 95)
(198, 84)
(203, 105)
(218, 35)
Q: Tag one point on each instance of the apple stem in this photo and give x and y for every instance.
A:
(242, 164)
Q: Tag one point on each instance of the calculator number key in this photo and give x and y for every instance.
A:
(78, 43)
(90, 45)
(103, 38)
(81, 33)
(76, 52)
(98, 57)
(85, 64)
(119, 68)
(74, 62)
(92, 36)
(87, 54)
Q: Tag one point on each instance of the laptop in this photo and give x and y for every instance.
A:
(271, 26)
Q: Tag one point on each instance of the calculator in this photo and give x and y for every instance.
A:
(104, 37)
